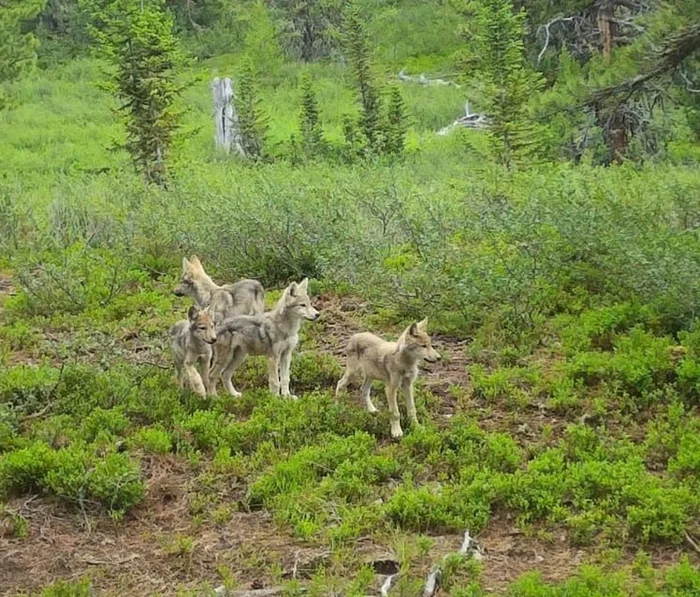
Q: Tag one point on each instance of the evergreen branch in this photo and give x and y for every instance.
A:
(677, 48)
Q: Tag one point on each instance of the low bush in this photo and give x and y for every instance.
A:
(75, 473)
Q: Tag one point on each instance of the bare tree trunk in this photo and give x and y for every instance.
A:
(614, 127)
(228, 131)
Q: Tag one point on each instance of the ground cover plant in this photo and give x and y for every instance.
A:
(558, 262)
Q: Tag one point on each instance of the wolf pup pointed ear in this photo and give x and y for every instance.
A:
(293, 289)
(192, 313)
(186, 265)
(422, 325)
(413, 330)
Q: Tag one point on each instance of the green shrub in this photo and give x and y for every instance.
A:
(438, 509)
(152, 440)
(73, 279)
(598, 328)
(25, 470)
(640, 365)
(204, 429)
(111, 422)
(307, 466)
(686, 462)
(64, 588)
(113, 481)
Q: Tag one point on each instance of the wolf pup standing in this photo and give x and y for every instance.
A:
(192, 342)
(395, 363)
(274, 334)
(245, 297)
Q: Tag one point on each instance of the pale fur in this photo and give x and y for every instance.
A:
(274, 334)
(369, 357)
(192, 341)
(245, 297)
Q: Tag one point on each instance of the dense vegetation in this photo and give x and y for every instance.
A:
(554, 248)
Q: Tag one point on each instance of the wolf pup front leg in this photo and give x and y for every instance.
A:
(274, 334)
(192, 341)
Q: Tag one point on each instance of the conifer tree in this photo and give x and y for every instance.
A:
(251, 118)
(138, 39)
(358, 55)
(17, 48)
(397, 124)
(309, 120)
(496, 63)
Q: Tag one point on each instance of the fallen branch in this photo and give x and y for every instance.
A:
(423, 80)
(546, 27)
(469, 548)
(97, 562)
(692, 542)
(386, 585)
(271, 592)
(152, 363)
(471, 121)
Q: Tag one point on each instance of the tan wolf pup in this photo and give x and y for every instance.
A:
(192, 342)
(245, 297)
(274, 334)
(395, 363)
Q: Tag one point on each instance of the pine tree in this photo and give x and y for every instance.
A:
(309, 120)
(497, 64)
(358, 54)
(138, 39)
(310, 26)
(17, 48)
(261, 44)
(397, 124)
(251, 118)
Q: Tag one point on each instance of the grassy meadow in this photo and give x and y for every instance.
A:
(561, 428)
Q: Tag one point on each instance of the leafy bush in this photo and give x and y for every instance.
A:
(24, 470)
(308, 465)
(112, 481)
(74, 473)
(153, 440)
(73, 279)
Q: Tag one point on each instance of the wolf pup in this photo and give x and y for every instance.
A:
(192, 342)
(274, 334)
(245, 297)
(395, 363)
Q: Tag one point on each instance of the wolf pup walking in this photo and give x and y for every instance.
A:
(395, 363)
(192, 342)
(245, 297)
(274, 334)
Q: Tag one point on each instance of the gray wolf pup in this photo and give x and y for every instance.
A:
(192, 342)
(245, 297)
(395, 363)
(274, 334)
